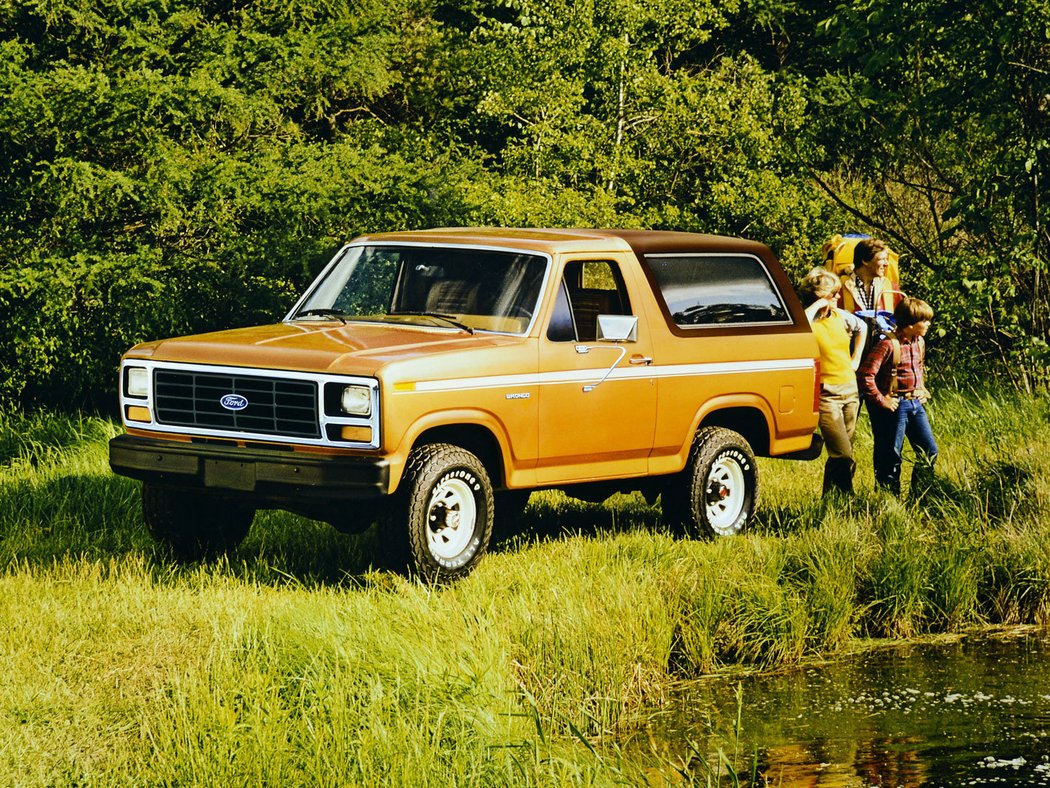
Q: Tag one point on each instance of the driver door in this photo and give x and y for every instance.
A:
(590, 430)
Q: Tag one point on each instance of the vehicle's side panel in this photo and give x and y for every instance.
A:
(766, 369)
(497, 389)
(777, 379)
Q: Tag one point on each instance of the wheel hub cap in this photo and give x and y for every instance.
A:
(726, 494)
(451, 518)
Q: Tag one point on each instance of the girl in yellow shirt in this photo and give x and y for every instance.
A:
(840, 336)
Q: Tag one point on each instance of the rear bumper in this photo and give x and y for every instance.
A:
(264, 475)
(816, 445)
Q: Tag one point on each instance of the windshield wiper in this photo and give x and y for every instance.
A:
(447, 318)
(338, 314)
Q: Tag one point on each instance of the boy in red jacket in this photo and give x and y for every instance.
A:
(891, 382)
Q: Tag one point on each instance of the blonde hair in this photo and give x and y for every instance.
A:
(818, 283)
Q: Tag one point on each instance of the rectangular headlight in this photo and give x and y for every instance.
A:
(356, 400)
(136, 382)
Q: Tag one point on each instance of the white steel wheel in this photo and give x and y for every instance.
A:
(717, 492)
(440, 522)
(725, 495)
(452, 517)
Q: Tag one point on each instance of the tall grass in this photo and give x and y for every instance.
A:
(293, 662)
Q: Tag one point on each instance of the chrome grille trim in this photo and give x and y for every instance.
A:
(188, 398)
(184, 399)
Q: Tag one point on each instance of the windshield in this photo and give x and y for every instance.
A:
(451, 287)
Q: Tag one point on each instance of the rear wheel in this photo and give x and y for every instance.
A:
(194, 525)
(441, 520)
(717, 492)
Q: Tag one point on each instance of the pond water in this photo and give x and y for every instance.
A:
(970, 712)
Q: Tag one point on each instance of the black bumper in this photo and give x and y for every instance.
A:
(816, 445)
(265, 475)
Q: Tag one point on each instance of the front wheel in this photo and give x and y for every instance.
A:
(442, 522)
(717, 492)
(194, 525)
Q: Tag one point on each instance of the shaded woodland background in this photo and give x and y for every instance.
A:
(172, 166)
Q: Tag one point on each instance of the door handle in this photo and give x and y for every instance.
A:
(640, 360)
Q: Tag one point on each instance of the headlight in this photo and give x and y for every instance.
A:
(137, 382)
(356, 400)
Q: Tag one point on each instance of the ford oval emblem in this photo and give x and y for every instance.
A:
(233, 402)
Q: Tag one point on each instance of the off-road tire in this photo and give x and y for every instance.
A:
(717, 492)
(194, 525)
(440, 520)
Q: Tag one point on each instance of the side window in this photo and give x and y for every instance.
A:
(713, 290)
(588, 289)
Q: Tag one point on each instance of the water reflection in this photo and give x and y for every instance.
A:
(974, 712)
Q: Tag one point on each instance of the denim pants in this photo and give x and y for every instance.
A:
(889, 429)
(838, 420)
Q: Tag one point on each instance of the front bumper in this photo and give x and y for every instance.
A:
(262, 474)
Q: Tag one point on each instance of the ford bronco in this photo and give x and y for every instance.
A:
(429, 380)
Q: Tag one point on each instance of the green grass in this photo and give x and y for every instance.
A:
(293, 662)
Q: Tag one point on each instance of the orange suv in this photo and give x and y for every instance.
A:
(431, 379)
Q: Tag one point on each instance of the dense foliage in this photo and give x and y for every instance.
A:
(180, 165)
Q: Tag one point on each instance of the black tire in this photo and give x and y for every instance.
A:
(717, 492)
(440, 521)
(194, 525)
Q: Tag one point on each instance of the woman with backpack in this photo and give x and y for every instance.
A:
(891, 382)
(840, 337)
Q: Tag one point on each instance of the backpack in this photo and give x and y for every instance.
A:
(837, 253)
(897, 360)
(881, 325)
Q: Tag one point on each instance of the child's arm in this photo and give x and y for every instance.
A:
(817, 307)
(859, 331)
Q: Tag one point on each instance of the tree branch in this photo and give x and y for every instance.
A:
(916, 252)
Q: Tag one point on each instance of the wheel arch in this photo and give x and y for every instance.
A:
(474, 432)
(752, 421)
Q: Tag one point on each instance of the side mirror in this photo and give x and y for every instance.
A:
(617, 328)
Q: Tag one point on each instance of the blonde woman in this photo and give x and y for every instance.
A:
(840, 337)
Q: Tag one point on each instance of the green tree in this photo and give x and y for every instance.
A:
(942, 110)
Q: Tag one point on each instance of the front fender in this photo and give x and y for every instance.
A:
(445, 423)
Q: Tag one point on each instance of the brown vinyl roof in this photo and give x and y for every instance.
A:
(582, 239)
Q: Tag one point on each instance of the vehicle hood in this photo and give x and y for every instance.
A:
(354, 348)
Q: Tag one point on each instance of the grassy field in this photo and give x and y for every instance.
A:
(294, 663)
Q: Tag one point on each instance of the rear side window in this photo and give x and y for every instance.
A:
(715, 290)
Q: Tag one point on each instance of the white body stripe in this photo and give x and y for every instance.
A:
(620, 373)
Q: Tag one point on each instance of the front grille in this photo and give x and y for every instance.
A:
(276, 406)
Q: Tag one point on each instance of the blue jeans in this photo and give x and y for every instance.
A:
(889, 429)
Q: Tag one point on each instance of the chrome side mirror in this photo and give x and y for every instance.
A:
(614, 329)
(617, 328)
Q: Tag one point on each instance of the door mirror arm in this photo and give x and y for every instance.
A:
(585, 349)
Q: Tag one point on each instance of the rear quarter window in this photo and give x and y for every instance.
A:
(701, 290)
